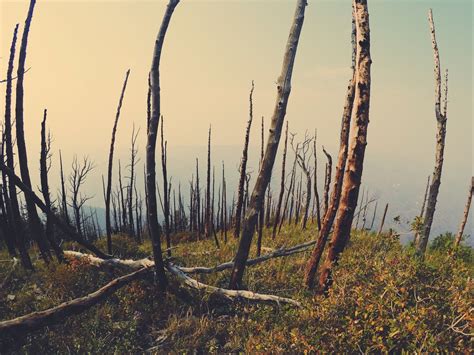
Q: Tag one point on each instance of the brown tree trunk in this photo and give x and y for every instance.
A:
(441, 119)
(355, 158)
(284, 88)
(328, 220)
(243, 170)
(457, 241)
(44, 169)
(327, 181)
(282, 186)
(152, 212)
(110, 167)
(34, 222)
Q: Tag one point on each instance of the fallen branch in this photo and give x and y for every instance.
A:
(230, 294)
(228, 265)
(123, 264)
(36, 320)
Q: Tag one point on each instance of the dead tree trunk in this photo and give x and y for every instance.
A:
(15, 219)
(152, 131)
(45, 165)
(34, 221)
(355, 158)
(207, 213)
(457, 241)
(422, 212)
(243, 170)
(110, 167)
(383, 219)
(373, 217)
(283, 88)
(133, 162)
(441, 118)
(262, 202)
(316, 193)
(63, 191)
(7, 219)
(121, 198)
(327, 180)
(166, 206)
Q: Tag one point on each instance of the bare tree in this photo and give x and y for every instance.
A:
(465, 215)
(243, 169)
(15, 220)
(133, 163)
(327, 180)
(78, 176)
(329, 217)
(315, 184)
(35, 225)
(422, 212)
(63, 191)
(110, 167)
(283, 89)
(45, 165)
(356, 152)
(383, 219)
(262, 202)
(441, 119)
(282, 185)
(166, 205)
(152, 208)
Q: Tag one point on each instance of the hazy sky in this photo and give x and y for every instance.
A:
(79, 52)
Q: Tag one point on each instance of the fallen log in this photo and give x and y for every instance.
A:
(230, 294)
(36, 320)
(177, 271)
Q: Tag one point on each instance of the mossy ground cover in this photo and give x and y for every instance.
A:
(383, 299)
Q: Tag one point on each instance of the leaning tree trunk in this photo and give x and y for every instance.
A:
(155, 232)
(282, 186)
(355, 158)
(441, 118)
(465, 215)
(33, 219)
(243, 170)
(328, 220)
(108, 191)
(284, 88)
(15, 220)
(44, 169)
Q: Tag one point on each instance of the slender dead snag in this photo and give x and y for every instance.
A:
(110, 167)
(36, 320)
(152, 131)
(355, 157)
(441, 119)
(15, 220)
(243, 169)
(327, 180)
(63, 191)
(287, 198)
(261, 210)
(198, 201)
(263, 178)
(422, 212)
(224, 203)
(7, 220)
(34, 221)
(166, 206)
(329, 217)
(383, 220)
(457, 241)
(316, 193)
(373, 217)
(123, 209)
(133, 161)
(45, 165)
(63, 226)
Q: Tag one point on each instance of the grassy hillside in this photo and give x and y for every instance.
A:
(382, 300)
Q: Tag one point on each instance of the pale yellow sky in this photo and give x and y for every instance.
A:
(79, 52)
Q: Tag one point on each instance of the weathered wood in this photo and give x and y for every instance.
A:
(328, 220)
(457, 241)
(36, 320)
(282, 186)
(355, 158)
(283, 89)
(108, 190)
(152, 208)
(441, 120)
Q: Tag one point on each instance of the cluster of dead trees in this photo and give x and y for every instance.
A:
(208, 213)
